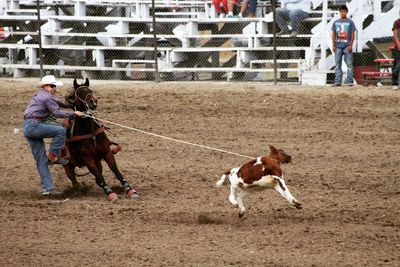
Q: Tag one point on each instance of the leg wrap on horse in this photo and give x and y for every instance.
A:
(127, 186)
(105, 187)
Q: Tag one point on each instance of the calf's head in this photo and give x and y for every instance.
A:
(279, 155)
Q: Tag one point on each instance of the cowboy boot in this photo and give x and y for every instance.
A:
(52, 159)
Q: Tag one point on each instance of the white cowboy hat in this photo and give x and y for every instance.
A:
(50, 79)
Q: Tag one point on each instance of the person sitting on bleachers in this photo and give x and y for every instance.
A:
(217, 6)
(248, 5)
(245, 5)
(291, 12)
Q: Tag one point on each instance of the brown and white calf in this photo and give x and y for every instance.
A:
(257, 175)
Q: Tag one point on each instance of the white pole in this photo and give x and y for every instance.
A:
(322, 63)
(359, 24)
(377, 10)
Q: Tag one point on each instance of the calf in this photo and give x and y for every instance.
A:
(256, 175)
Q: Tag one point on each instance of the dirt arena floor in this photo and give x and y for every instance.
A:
(345, 144)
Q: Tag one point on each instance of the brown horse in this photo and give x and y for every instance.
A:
(88, 143)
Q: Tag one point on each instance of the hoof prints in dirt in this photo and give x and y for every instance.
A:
(82, 190)
(190, 218)
(204, 218)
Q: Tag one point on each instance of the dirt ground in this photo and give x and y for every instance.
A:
(345, 144)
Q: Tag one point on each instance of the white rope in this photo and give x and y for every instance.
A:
(169, 138)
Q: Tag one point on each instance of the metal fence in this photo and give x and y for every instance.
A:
(187, 40)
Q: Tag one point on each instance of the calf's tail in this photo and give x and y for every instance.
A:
(221, 181)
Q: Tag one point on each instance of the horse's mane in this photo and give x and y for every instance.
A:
(70, 96)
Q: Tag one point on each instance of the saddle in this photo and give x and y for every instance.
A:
(68, 124)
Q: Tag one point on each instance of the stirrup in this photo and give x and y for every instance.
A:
(59, 161)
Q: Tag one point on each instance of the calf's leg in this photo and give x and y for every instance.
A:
(282, 189)
(232, 195)
(234, 180)
(242, 194)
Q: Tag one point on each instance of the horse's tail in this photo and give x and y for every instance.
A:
(221, 180)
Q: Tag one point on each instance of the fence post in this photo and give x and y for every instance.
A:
(273, 2)
(40, 39)
(157, 75)
(322, 65)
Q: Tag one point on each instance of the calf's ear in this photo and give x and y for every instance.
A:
(273, 150)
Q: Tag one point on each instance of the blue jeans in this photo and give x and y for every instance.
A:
(35, 132)
(295, 16)
(396, 67)
(252, 8)
(348, 59)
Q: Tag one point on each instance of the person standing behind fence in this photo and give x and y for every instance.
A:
(293, 12)
(396, 55)
(343, 32)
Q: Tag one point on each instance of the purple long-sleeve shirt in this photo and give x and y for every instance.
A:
(43, 104)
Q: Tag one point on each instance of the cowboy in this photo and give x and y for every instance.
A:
(43, 106)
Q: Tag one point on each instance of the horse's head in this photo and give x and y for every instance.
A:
(81, 97)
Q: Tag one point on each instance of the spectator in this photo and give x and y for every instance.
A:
(291, 12)
(343, 32)
(250, 6)
(396, 55)
(231, 3)
(228, 6)
(217, 6)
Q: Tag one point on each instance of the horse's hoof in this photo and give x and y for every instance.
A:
(240, 214)
(133, 194)
(112, 197)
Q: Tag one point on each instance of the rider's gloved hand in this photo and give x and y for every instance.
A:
(79, 114)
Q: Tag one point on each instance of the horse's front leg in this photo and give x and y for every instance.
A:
(112, 164)
(93, 167)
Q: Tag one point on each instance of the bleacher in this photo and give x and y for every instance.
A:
(110, 39)
(114, 39)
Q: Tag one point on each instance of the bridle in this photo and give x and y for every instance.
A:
(77, 100)
(84, 101)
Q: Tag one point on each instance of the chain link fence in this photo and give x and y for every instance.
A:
(187, 40)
